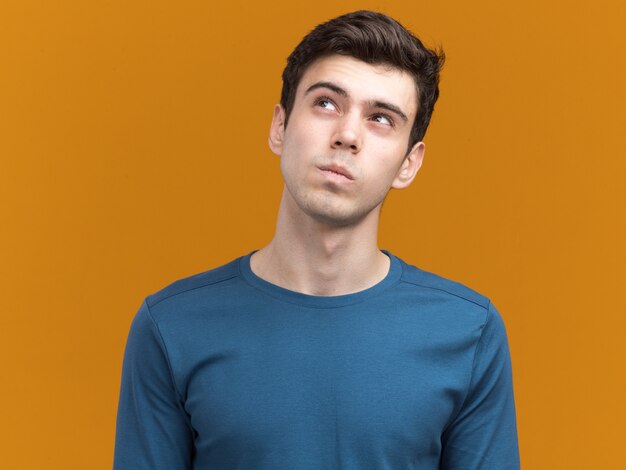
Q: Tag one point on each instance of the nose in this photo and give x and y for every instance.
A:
(347, 135)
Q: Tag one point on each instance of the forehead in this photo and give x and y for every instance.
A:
(363, 81)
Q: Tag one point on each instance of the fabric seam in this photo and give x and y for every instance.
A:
(447, 292)
(169, 367)
(193, 288)
(316, 307)
(471, 380)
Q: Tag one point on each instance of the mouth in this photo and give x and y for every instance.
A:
(337, 170)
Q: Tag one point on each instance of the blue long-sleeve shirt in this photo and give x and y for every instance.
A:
(224, 370)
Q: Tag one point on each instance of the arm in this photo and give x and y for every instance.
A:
(153, 430)
(483, 434)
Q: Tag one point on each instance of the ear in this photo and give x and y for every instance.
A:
(410, 166)
(277, 130)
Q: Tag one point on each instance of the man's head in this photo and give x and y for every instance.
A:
(373, 38)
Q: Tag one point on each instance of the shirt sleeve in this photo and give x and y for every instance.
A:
(483, 435)
(153, 430)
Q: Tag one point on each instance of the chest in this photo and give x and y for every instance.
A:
(349, 382)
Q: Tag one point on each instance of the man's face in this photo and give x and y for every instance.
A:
(345, 144)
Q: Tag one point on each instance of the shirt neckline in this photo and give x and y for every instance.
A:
(393, 276)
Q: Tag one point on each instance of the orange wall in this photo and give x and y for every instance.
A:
(133, 150)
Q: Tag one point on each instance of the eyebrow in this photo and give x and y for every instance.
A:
(373, 103)
(330, 85)
(389, 107)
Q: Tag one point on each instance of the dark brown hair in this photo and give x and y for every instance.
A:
(376, 39)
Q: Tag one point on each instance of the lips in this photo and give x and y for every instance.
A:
(337, 169)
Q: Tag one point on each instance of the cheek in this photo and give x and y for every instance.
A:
(295, 139)
(300, 147)
(386, 161)
(292, 162)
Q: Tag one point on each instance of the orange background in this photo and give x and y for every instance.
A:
(133, 139)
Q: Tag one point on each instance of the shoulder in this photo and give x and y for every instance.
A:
(451, 301)
(457, 305)
(181, 289)
(422, 279)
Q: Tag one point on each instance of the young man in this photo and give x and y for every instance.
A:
(319, 351)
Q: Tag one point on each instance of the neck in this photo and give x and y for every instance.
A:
(316, 258)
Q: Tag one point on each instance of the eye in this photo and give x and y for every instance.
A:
(325, 103)
(383, 119)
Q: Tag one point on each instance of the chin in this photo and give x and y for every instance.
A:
(335, 216)
(331, 210)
